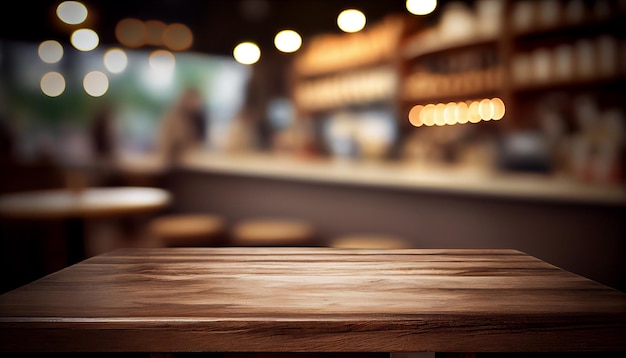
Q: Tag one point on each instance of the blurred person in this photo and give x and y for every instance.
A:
(102, 134)
(6, 141)
(183, 126)
(102, 138)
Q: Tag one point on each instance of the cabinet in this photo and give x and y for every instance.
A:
(346, 87)
(349, 70)
(531, 47)
(558, 66)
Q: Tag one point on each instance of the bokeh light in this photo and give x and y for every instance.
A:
(461, 113)
(162, 60)
(449, 113)
(457, 112)
(472, 113)
(115, 60)
(131, 32)
(72, 12)
(50, 51)
(177, 37)
(247, 53)
(96, 83)
(155, 30)
(498, 108)
(426, 116)
(438, 114)
(288, 41)
(52, 84)
(421, 7)
(485, 109)
(85, 39)
(414, 115)
(351, 20)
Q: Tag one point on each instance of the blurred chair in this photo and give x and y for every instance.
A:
(369, 241)
(272, 232)
(187, 230)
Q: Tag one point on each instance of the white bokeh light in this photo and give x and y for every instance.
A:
(85, 39)
(421, 7)
(247, 53)
(288, 41)
(72, 12)
(52, 84)
(50, 51)
(96, 83)
(115, 60)
(351, 20)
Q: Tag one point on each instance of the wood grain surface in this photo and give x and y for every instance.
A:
(313, 300)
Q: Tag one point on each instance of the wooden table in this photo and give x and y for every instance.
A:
(75, 206)
(312, 299)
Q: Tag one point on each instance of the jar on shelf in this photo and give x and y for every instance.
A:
(563, 62)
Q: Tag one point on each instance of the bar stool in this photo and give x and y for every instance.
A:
(369, 241)
(272, 232)
(187, 230)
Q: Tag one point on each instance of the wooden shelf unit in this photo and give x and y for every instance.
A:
(521, 67)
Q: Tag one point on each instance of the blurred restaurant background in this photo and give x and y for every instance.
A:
(349, 124)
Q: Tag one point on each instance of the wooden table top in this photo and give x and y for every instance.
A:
(94, 201)
(312, 299)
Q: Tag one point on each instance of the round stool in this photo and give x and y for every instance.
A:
(272, 232)
(369, 241)
(187, 230)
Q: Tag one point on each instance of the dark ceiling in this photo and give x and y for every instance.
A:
(217, 25)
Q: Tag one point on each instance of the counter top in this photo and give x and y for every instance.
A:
(405, 176)
(313, 300)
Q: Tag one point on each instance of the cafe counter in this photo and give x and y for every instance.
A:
(406, 176)
(572, 225)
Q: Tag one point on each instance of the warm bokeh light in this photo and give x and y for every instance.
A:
(85, 39)
(351, 20)
(162, 60)
(414, 115)
(438, 114)
(288, 41)
(498, 108)
(426, 116)
(131, 32)
(449, 113)
(96, 83)
(177, 37)
(155, 30)
(421, 7)
(72, 12)
(52, 84)
(485, 109)
(115, 60)
(456, 112)
(50, 51)
(461, 113)
(247, 53)
(472, 112)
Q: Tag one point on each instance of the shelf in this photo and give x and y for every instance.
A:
(461, 86)
(355, 88)
(331, 54)
(451, 97)
(610, 82)
(584, 28)
(416, 47)
(344, 67)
